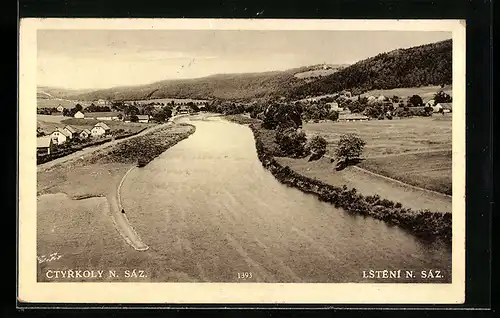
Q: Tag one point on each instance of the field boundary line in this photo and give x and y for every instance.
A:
(401, 182)
(396, 181)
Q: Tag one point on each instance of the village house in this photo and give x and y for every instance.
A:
(71, 131)
(381, 98)
(59, 136)
(353, 117)
(437, 108)
(84, 134)
(103, 115)
(183, 109)
(143, 118)
(79, 114)
(44, 145)
(100, 129)
(335, 106)
(102, 102)
(430, 103)
(446, 107)
(60, 108)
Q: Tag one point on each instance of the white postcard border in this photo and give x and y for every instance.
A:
(32, 291)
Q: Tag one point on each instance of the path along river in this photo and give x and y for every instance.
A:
(207, 208)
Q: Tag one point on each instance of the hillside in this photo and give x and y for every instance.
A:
(424, 65)
(429, 64)
(45, 92)
(221, 86)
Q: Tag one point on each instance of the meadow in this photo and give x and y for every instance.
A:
(416, 150)
(54, 102)
(426, 92)
(167, 100)
(389, 137)
(49, 123)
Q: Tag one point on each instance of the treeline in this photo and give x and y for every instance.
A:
(224, 86)
(429, 64)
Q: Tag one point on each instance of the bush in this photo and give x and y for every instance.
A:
(317, 146)
(291, 142)
(415, 100)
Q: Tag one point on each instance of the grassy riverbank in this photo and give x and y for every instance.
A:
(76, 199)
(423, 223)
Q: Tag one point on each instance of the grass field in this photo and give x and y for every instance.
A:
(426, 92)
(389, 137)
(48, 124)
(168, 100)
(54, 102)
(415, 150)
(430, 170)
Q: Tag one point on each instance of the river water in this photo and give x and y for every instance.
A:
(209, 211)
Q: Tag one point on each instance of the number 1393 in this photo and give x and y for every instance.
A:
(245, 275)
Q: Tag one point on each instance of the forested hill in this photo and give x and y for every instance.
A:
(429, 64)
(223, 86)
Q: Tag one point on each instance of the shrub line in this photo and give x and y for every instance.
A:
(422, 223)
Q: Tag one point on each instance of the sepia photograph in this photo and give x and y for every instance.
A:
(269, 156)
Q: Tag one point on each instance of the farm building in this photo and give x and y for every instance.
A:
(100, 129)
(436, 108)
(84, 134)
(335, 106)
(447, 107)
(44, 145)
(59, 136)
(143, 118)
(102, 102)
(103, 115)
(430, 103)
(353, 117)
(60, 108)
(71, 131)
(79, 114)
(183, 109)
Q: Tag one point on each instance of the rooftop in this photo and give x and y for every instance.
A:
(43, 142)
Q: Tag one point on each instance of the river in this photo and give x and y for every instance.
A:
(208, 209)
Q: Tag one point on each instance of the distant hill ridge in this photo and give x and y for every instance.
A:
(429, 64)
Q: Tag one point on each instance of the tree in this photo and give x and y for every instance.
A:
(442, 97)
(333, 115)
(281, 115)
(78, 107)
(317, 146)
(134, 118)
(350, 146)
(416, 100)
(291, 142)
